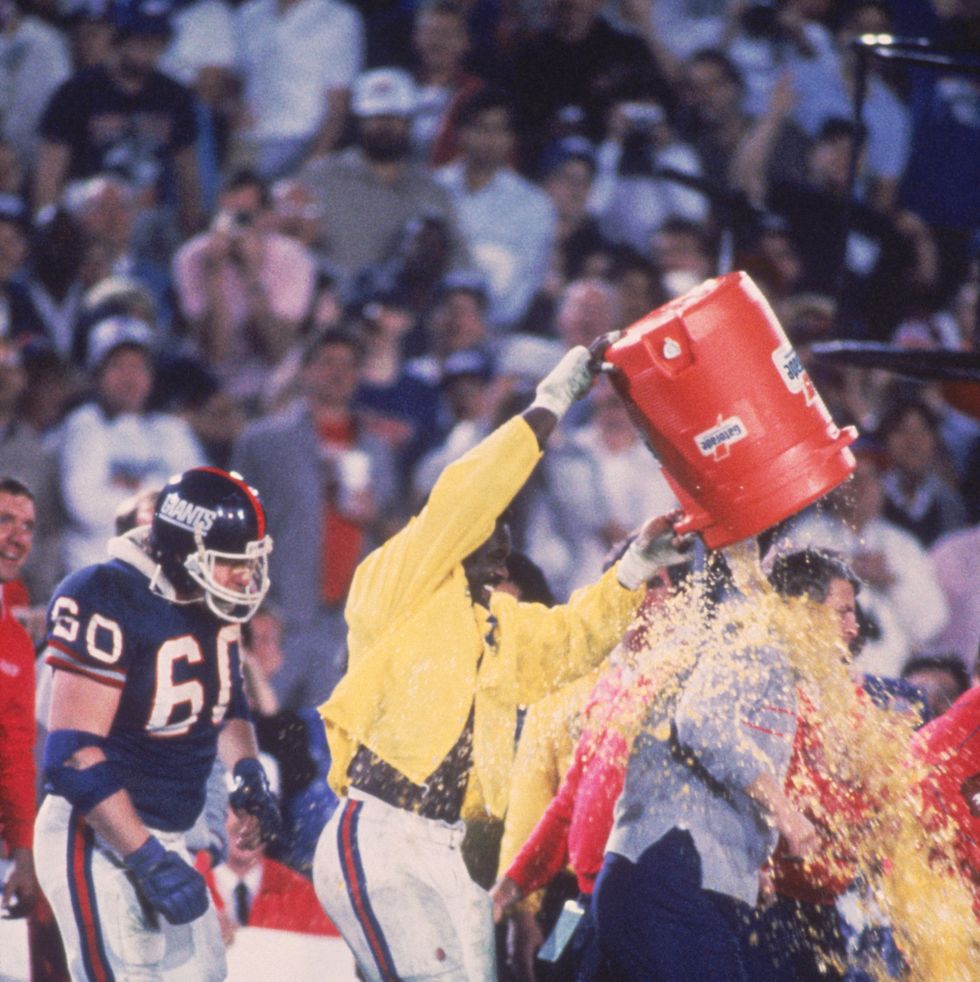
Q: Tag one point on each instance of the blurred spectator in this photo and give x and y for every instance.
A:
(771, 258)
(825, 86)
(940, 181)
(106, 209)
(457, 322)
(24, 458)
(917, 497)
(128, 117)
(109, 297)
(136, 511)
(599, 484)
(410, 278)
(569, 173)
(12, 171)
(20, 888)
(954, 557)
(251, 889)
(33, 63)
(371, 190)
(637, 283)
(112, 446)
(631, 196)
(765, 39)
(440, 43)
(942, 678)
(51, 388)
(508, 222)
(901, 604)
(682, 251)
(328, 488)
(297, 60)
(201, 52)
(243, 289)
(18, 317)
(297, 213)
(400, 407)
(577, 59)
(88, 24)
(187, 388)
(715, 122)
(296, 742)
(53, 278)
(466, 384)
(588, 309)
(886, 258)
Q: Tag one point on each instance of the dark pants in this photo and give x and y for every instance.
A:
(657, 924)
(800, 938)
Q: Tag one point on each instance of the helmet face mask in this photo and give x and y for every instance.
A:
(225, 599)
(208, 535)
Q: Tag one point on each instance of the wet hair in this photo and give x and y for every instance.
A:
(809, 572)
(942, 662)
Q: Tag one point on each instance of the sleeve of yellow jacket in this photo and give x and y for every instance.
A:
(544, 754)
(536, 650)
(413, 641)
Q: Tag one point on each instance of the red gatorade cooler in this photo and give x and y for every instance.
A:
(713, 382)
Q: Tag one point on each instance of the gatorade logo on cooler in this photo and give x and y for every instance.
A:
(177, 511)
(717, 441)
(789, 366)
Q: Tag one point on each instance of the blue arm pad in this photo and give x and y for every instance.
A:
(82, 787)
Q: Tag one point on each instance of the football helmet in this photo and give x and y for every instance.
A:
(209, 532)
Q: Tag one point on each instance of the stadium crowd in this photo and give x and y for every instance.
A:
(333, 245)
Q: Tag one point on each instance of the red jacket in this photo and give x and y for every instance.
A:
(831, 804)
(286, 901)
(951, 745)
(17, 730)
(575, 826)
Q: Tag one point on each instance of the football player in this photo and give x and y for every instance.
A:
(147, 689)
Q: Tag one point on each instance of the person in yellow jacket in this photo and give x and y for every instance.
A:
(421, 728)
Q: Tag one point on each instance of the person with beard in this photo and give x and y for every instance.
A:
(371, 190)
(127, 117)
(421, 727)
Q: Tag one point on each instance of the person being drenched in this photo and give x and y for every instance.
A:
(421, 728)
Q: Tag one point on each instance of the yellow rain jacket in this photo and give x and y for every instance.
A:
(416, 638)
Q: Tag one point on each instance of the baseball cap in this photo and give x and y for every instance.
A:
(384, 92)
(465, 281)
(114, 332)
(13, 209)
(142, 18)
(80, 11)
(468, 363)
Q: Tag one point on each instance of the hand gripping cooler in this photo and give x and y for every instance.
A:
(723, 400)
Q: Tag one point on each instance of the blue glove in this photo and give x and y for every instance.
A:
(251, 794)
(167, 883)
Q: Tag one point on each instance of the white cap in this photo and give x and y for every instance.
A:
(114, 332)
(384, 92)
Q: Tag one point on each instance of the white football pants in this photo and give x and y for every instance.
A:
(397, 888)
(110, 934)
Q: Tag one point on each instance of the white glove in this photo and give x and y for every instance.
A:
(567, 382)
(645, 556)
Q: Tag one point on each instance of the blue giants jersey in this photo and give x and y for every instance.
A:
(179, 670)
